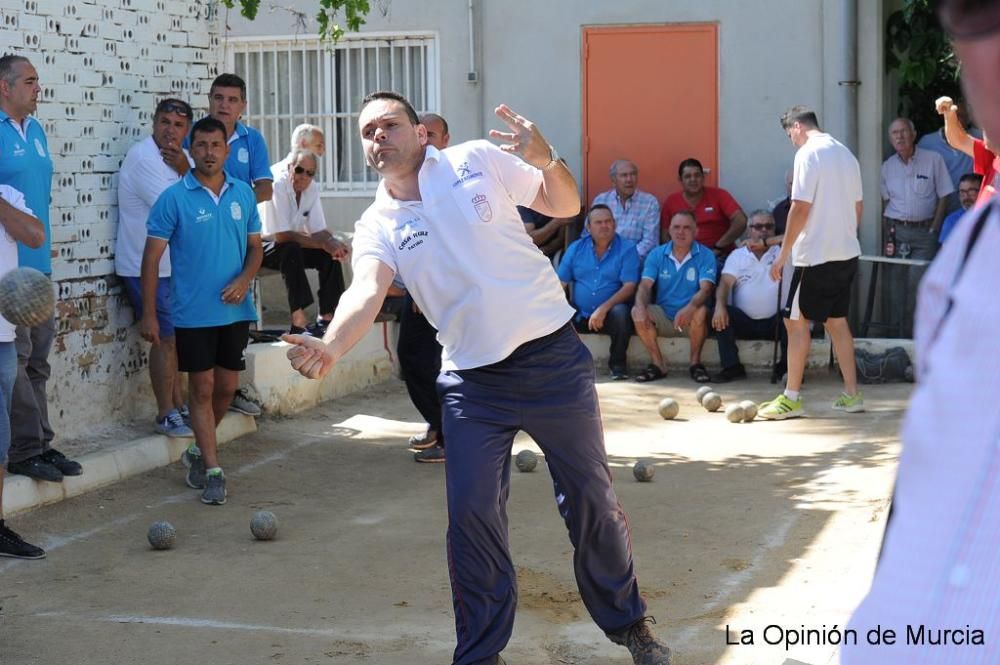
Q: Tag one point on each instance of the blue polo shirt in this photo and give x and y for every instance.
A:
(595, 279)
(248, 160)
(675, 287)
(208, 248)
(26, 165)
(948, 225)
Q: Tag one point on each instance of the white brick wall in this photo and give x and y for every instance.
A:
(103, 64)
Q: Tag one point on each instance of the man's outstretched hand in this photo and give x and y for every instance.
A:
(524, 138)
(309, 356)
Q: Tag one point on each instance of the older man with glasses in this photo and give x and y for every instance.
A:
(296, 238)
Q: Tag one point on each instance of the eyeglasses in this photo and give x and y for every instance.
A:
(761, 227)
(299, 170)
(174, 107)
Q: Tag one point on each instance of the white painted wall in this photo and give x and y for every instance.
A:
(102, 66)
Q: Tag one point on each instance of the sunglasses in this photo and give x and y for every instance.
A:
(761, 227)
(299, 170)
(171, 107)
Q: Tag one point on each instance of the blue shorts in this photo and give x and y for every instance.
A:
(164, 309)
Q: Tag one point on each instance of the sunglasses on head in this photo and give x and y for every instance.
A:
(299, 170)
(173, 107)
(761, 227)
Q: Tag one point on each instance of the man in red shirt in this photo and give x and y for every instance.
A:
(720, 219)
(983, 153)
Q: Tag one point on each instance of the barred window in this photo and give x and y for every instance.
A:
(291, 81)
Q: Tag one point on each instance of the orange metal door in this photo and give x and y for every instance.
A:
(650, 94)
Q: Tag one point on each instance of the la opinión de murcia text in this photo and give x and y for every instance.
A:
(916, 635)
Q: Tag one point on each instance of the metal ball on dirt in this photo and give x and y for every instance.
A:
(644, 470)
(26, 297)
(701, 392)
(749, 410)
(161, 535)
(668, 408)
(264, 525)
(711, 401)
(734, 413)
(526, 461)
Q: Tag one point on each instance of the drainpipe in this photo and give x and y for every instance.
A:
(473, 76)
(847, 70)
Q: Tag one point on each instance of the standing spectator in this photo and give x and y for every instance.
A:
(822, 240)
(939, 566)
(985, 161)
(915, 189)
(502, 371)
(636, 213)
(16, 225)
(602, 271)
(26, 165)
(956, 161)
(296, 239)
(209, 219)
(151, 166)
(720, 218)
(968, 191)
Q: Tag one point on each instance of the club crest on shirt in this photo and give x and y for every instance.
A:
(243, 155)
(691, 274)
(40, 148)
(482, 206)
(235, 211)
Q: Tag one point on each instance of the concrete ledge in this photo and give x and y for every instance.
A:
(283, 391)
(104, 467)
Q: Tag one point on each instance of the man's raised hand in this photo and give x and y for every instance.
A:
(524, 138)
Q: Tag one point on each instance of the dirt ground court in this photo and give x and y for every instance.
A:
(744, 525)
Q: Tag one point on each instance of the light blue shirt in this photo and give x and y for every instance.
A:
(248, 160)
(595, 279)
(676, 286)
(26, 165)
(208, 248)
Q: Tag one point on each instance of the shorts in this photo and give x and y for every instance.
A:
(821, 292)
(664, 324)
(164, 308)
(202, 349)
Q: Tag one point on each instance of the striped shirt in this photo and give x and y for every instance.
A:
(636, 219)
(940, 566)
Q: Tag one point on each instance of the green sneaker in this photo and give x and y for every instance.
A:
(850, 403)
(780, 408)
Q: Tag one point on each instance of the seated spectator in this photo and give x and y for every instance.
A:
(296, 238)
(984, 154)
(720, 219)
(754, 312)
(548, 233)
(636, 213)
(602, 271)
(683, 273)
(304, 137)
(968, 190)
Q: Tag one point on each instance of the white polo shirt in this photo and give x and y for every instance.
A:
(8, 251)
(464, 255)
(755, 293)
(283, 213)
(142, 178)
(826, 175)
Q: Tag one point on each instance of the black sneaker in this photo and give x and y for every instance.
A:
(619, 374)
(63, 463)
(730, 374)
(318, 329)
(642, 643)
(431, 455)
(14, 546)
(37, 468)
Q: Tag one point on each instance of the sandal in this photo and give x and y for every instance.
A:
(651, 373)
(699, 373)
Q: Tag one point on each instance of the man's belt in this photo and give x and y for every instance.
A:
(906, 222)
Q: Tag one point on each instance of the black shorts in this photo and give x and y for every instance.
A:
(202, 349)
(821, 292)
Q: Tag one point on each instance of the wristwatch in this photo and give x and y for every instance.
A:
(553, 159)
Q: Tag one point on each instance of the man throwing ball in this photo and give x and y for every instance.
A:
(446, 222)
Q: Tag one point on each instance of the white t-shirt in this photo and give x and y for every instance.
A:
(282, 213)
(143, 177)
(8, 251)
(464, 255)
(754, 292)
(828, 176)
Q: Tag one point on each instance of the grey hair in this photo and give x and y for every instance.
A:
(298, 153)
(7, 63)
(613, 171)
(913, 128)
(760, 212)
(304, 132)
